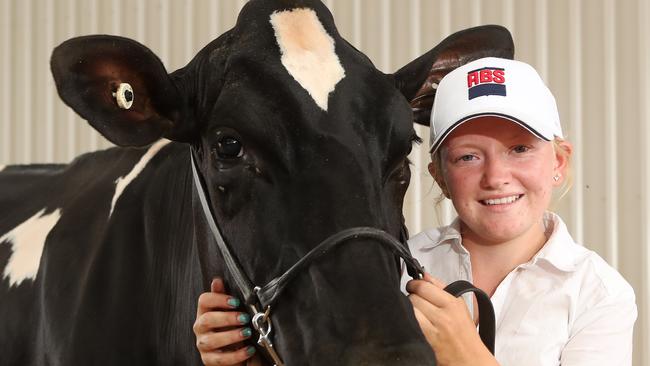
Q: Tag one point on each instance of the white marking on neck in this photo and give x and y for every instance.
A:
(27, 241)
(122, 182)
(308, 52)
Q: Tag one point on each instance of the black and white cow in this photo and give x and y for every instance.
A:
(298, 136)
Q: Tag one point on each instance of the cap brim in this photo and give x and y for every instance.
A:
(436, 144)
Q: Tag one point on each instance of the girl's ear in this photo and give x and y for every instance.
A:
(437, 176)
(563, 151)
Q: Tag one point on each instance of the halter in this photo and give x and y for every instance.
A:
(259, 300)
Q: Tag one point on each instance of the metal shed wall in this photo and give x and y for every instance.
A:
(594, 55)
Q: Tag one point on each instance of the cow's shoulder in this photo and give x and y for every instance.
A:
(92, 182)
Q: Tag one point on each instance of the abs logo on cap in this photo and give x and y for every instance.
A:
(486, 81)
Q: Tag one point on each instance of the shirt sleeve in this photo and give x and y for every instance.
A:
(602, 335)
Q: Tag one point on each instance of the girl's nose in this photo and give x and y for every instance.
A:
(496, 174)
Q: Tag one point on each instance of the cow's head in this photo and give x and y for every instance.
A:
(298, 137)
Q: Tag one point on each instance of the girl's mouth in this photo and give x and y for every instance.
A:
(501, 201)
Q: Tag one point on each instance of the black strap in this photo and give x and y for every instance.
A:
(241, 281)
(270, 292)
(487, 327)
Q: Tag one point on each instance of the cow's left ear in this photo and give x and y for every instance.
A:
(419, 79)
(89, 71)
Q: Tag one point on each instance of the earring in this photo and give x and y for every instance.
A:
(556, 178)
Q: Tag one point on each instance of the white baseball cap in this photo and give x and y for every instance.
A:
(494, 87)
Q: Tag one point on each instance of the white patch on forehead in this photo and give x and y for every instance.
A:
(308, 52)
(27, 241)
(122, 182)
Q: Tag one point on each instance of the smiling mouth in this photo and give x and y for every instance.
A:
(502, 201)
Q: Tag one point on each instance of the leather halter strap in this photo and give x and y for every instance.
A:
(242, 282)
(268, 294)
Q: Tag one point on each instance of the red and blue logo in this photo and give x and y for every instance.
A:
(486, 81)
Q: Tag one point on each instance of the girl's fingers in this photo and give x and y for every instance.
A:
(430, 292)
(425, 308)
(212, 341)
(428, 329)
(433, 280)
(219, 319)
(210, 301)
(217, 285)
(227, 358)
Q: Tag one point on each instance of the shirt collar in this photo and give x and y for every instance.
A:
(448, 235)
(554, 250)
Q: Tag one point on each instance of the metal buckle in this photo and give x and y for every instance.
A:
(262, 323)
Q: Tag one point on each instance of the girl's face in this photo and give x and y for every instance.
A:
(499, 177)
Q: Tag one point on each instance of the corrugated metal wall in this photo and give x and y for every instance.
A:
(594, 54)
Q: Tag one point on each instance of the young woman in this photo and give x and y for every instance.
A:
(498, 153)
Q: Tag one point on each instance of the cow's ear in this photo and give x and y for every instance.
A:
(88, 72)
(419, 79)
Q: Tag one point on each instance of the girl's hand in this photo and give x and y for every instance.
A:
(447, 324)
(220, 330)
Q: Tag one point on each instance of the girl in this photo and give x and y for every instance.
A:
(497, 152)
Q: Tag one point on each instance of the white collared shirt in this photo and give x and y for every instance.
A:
(565, 306)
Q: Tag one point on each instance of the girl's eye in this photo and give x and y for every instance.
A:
(520, 149)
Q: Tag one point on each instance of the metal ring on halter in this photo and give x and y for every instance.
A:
(261, 322)
(420, 275)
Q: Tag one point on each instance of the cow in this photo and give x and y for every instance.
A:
(296, 136)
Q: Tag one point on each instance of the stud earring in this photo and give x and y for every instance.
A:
(556, 178)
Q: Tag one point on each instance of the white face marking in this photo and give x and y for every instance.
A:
(308, 52)
(122, 182)
(27, 241)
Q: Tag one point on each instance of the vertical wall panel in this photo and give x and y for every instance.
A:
(46, 85)
(575, 117)
(594, 140)
(27, 79)
(71, 119)
(541, 38)
(415, 194)
(593, 54)
(6, 48)
(642, 339)
(629, 122)
(611, 163)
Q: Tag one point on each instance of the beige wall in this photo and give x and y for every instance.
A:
(594, 54)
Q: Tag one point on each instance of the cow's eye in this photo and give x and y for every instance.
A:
(229, 148)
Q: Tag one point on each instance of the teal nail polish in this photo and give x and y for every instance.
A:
(250, 350)
(244, 318)
(246, 332)
(234, 302)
